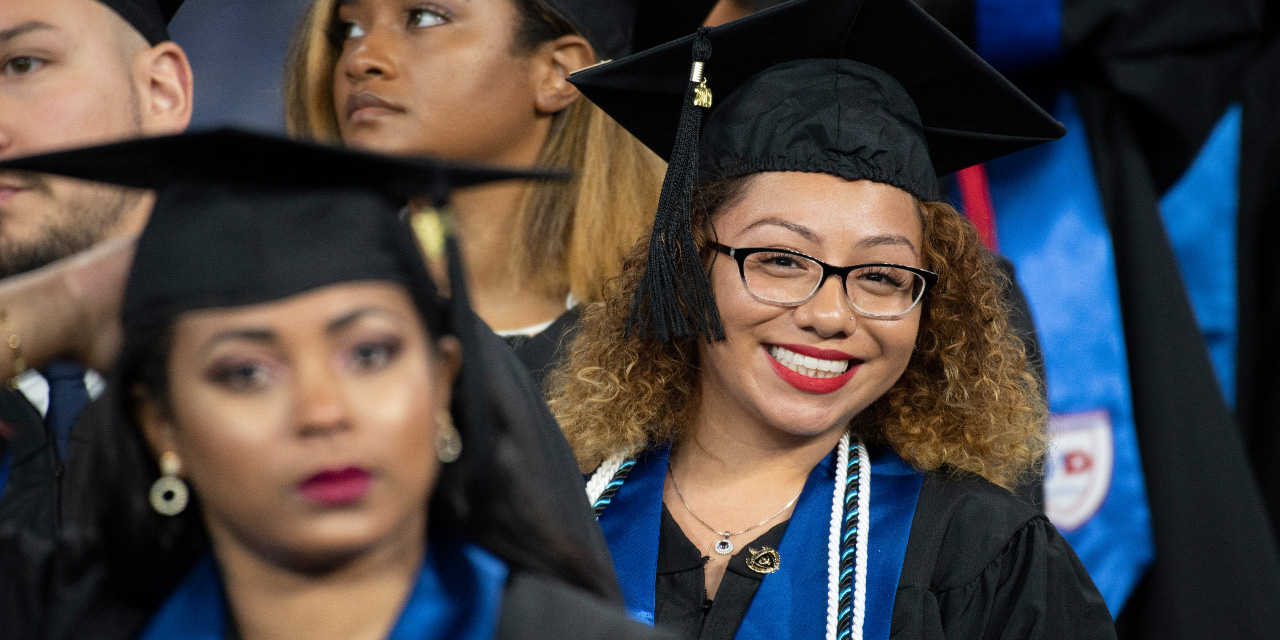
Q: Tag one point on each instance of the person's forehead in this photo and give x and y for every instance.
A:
(818, 205)
(69, 17)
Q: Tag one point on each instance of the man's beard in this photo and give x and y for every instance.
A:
(84, 218)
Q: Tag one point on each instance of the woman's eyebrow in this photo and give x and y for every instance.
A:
(798, 229)
(885, 239)
(348, 319)
(265, 336)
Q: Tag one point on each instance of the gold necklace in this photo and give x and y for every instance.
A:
(724, 547)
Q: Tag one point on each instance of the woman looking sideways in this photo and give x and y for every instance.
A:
(486, 81)
(302, 449)
(813, 422)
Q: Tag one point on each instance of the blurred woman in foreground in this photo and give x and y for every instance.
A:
(307, 448)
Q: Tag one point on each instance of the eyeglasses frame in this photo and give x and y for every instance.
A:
(740, 255)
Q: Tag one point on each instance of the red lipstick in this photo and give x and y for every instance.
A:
(806, 383)
(338, 487)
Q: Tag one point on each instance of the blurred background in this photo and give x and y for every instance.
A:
(237, 50)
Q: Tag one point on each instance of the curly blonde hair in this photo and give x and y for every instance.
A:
(967, 401)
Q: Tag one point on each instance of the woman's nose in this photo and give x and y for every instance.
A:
(828, 312)
(321, 407)
(373, 56)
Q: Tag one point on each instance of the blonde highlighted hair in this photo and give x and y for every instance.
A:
(967, 401)
(575, 234)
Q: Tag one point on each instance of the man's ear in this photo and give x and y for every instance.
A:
(154, 420)
(165, 88)
(552, 64)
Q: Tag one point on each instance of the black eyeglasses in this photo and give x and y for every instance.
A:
(875, 290)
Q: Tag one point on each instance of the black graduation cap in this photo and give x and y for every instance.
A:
(616, 28)
(150, 17)
(243, 217)
(872, 89)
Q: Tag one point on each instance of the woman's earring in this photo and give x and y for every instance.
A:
(448, 440)
(169, 493)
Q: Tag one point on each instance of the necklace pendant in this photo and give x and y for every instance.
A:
(724, 547)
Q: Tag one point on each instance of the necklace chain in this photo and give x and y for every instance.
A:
(725, 547)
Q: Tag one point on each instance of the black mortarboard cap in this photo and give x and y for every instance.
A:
(150, 17)
(616, 28)
(242, 218)
(872, 89)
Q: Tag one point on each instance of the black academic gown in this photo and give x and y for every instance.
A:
(1258, 273)
(545, 351)
(31, 496)
(1217, 565)
(1153, 77)
(46, 593)
(547, 479)
(46, 492)
(979, 563)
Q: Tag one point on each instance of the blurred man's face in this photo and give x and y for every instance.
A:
(67, 79)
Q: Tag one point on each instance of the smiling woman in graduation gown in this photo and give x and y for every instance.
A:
(812, 421)
(308, 441)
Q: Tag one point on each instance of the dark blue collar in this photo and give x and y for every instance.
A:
(458, 595)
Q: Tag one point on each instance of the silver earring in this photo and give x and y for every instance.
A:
(448, 440)
(169, 493)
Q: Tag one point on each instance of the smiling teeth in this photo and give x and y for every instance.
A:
(808, 365)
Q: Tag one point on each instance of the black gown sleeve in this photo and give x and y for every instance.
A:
(545, 351)
(30, 499)
(981, 564)
(548, 525)
(535, 607)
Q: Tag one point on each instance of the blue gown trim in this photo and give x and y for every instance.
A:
(458, 594)
(790, 602)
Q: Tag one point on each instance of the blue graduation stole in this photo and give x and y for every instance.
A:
(792, 601)
(458, 594)
(1052, 226)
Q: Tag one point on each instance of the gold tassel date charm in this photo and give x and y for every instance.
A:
(701, 93)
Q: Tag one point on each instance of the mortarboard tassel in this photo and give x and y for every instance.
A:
(673, 301)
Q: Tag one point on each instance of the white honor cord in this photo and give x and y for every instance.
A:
(603, 475)
(833, 540)
(860, 556)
